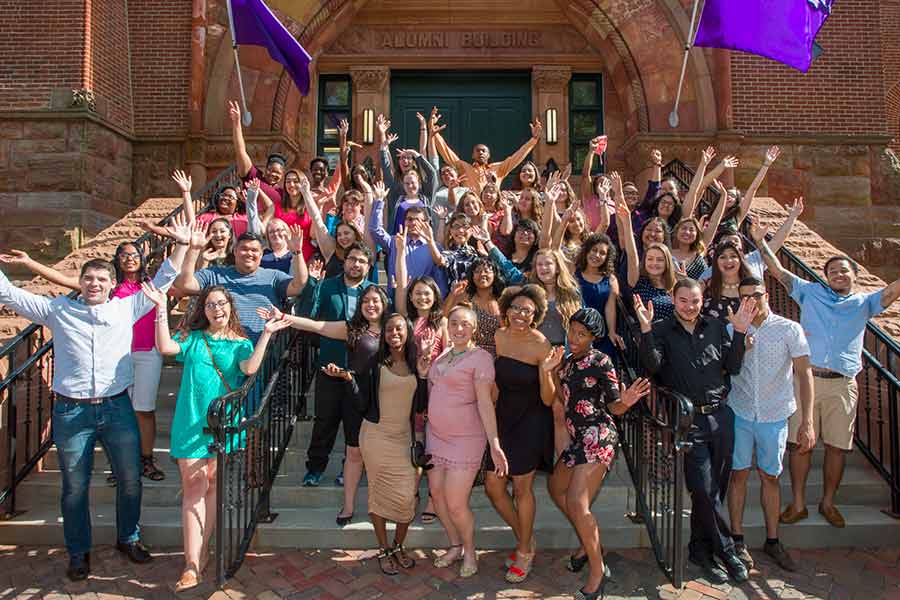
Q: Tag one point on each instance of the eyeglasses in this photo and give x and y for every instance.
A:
(215, 305)
(525, 232)
(129, 255)
(227, 198)
(522, 310)
(357, 260)
(754, 295)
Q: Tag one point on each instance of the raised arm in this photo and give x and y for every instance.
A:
(423, 134)
(729, 162)
(401, 273)
(254, 223)
(511, 162)
(244, 164)
(375, 220)
(546, 370)
(693, 194)
(584, 189)
(382, 125)
(709, 234)
(18, 257)
(186, 283)
(336, 330)
(184, 184)
(736, 347)
(446, 152)
(344, 163)
(164, 342)
(298, 263)
(626, 233)
(35, 308)
(251, 365)
(772, 264)
(549, 216)
(323, 237)
(772, 155)
(784, 231)
(434, 129)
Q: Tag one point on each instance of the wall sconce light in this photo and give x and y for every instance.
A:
(550, 126)
(368, 126)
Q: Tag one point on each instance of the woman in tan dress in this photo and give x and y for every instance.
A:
(386, 396)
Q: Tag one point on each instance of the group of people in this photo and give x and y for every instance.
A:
(491, 347)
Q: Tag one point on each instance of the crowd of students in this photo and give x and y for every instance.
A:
(489, 348)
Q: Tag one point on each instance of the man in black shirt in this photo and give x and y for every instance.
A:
(692, 354)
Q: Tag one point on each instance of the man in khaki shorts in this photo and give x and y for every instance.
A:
(834, 320)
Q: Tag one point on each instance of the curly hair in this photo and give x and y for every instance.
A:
(480, 263)
(533, 292)
(537, 205)
(588, 245)
(196, 320)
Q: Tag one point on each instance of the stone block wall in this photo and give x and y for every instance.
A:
(61, 181)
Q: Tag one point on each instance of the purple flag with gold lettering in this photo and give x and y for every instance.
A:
(783, 30)
(256, 25)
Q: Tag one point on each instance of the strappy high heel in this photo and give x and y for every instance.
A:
(515, 574)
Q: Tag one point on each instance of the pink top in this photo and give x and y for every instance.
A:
(238, 221)
(452, 404)
(291, 217)
(592, 206)
(143, 335)
(421, 325)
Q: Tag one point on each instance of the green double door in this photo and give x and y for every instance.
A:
(492, 108)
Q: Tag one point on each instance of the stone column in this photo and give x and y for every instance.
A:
(196, 144)
(371, 89)
(550, 89)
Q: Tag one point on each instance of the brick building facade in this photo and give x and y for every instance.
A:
(100, 99)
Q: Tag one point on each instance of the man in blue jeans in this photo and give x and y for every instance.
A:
(92, 371)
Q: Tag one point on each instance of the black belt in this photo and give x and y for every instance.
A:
(826, 374)
(708, 409)
(97, 400)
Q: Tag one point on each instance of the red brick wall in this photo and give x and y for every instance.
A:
(843, 92)
(41, 50)
(110, 53)
(890, 51)
(161, 71)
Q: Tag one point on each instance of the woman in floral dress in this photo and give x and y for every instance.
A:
(591, 395)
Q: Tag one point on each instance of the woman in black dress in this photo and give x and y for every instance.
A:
(591, 394)
(524, 392)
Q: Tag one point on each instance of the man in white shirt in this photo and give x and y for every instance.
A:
(92, 371)
(762, 398)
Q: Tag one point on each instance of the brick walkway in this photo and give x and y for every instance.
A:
(30, 572)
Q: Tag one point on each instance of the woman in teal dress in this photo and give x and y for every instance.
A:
(217, 357)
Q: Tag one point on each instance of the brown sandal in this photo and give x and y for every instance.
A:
(189, 580)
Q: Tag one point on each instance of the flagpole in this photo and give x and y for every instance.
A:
(246, 117)
(673, 116)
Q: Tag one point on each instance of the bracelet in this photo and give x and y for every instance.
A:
(177, 243)
(298, 252)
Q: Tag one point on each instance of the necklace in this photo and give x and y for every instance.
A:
(730, 286)
(454, 356)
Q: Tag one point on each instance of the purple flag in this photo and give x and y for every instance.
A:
(783, 30)
(254, 24)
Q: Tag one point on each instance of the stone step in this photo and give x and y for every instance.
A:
(860, 487)
(315, 528)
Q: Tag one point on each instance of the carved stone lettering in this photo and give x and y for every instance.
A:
(358, 40)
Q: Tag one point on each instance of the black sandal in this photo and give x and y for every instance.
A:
(576, 563)
(343, 521)
(402, 558)
(386, 557)
(150, 470)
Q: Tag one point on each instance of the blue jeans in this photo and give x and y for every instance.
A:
(76, 429)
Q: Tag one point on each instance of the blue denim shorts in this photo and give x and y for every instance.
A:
(769, 440)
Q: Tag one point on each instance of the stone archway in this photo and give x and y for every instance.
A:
(640, 43)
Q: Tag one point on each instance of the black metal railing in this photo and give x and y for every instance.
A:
(251, 429)
(877, 433)
(25, 389)
(653, 436)
(683, 174)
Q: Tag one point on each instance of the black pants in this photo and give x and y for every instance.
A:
(707, 469)
(333, 407)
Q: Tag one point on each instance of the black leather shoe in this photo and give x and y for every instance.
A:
(79, 567)
(736, 568)
(711, 569)
(135, 552)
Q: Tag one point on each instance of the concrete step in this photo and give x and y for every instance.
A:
(860, 487)
(315, 528)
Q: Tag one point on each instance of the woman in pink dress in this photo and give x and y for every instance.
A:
(461, 421)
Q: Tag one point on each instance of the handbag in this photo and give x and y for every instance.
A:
(253, 442)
